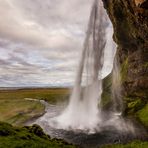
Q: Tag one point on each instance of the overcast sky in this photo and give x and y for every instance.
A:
(41, 41)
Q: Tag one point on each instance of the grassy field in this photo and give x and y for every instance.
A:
(15, 109)
(28, 137)
(134, 144)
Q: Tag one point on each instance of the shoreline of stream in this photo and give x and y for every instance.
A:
(108, 135)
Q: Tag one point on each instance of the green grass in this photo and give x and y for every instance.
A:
(27, 137)
(51, 95)
(15, 110)
(135, 144)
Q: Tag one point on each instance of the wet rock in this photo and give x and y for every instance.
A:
(130, 22)
(144, 5)
(139, 2)
(37, 130)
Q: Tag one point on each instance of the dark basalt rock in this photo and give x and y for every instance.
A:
(144, 5)
(37, 130)
(130, 22)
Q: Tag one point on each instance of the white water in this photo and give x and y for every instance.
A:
(83, 112)
(117, 88)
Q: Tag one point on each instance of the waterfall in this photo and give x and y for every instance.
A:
(117, 87)
(82, 111)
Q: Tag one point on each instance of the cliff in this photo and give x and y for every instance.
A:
(130, 22)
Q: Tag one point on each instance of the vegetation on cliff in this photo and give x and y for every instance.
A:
(130, 24)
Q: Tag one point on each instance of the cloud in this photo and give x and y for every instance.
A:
(23, 65)
(41, 41)
(53, 24)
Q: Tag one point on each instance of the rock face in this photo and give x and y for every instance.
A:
(130, 22)
(139, 2)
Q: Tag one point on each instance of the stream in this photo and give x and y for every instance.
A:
(106, 135)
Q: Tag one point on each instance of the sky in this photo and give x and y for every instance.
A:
(41, 41)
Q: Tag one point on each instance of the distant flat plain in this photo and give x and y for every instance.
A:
(16, 106)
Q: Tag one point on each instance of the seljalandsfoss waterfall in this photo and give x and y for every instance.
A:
(83, 111)
(83, 119)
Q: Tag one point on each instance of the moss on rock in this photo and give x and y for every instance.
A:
(135, 105)
(106, 94)
(143, 115)
(124, 70)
